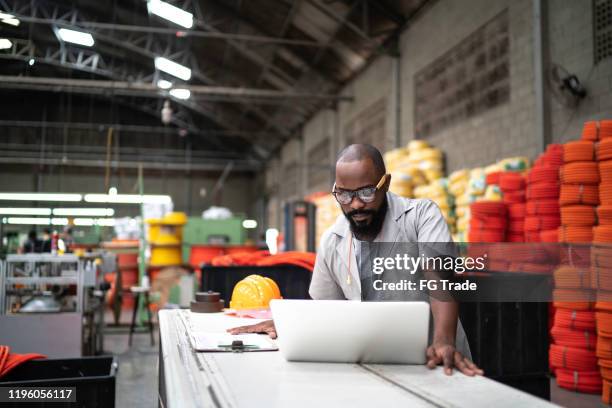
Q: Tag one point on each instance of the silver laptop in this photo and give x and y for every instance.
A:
(342, 331)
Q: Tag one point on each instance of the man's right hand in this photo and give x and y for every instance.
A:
(263, 327)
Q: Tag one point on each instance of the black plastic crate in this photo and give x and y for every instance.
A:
(509, 341)
(93, 377)
(292, 281)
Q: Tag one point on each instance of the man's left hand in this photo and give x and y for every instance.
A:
(446, 354)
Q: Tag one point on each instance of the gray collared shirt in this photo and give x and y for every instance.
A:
(335, 276)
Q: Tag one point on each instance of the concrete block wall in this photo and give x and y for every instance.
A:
(570, 31)
(321, 128)
(372, 85)
(503, 131)
(507, 130)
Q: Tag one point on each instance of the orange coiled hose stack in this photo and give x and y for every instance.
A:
(579, 234)
(602, 234)
(605, 193)
(597, 130)
(579, 381)
(604, 215)
(603, 348)
(604, 150)
(584, 339)
(605, 367)
(567, 276)
(579, 194)
(572, 358)
(580, 150)
(580, 173)
(604, 323)
(578, 215)
(601, 271)
(573, 299)
(605, 171)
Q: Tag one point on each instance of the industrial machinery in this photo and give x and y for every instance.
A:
(49, 304)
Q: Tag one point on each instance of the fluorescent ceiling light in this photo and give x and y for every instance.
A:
(75, 37)
(91, 212)
(28, 221)
(163, 84)
(25, 211)
(106, 222)
(88, 222)
(9, 19)
(249, 224)
(5, 43)
(59, 221)
(172, 68)
(40, 197)
(180, 93)
(171, 13)
(127, 198)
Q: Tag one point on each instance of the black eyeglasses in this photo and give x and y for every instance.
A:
(366, 194)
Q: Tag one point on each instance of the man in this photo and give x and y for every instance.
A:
(371, 213)
(32, 244)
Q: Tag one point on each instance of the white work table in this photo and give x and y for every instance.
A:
(266, 379)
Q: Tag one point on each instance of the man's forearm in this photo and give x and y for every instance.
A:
(445, 314)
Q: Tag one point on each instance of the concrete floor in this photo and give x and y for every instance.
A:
(570, 399)
(136, 385)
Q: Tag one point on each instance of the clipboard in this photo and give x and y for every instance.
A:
(225, 342)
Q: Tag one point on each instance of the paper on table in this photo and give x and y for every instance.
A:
(215, 341)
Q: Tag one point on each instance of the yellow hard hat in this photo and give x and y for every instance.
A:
(254, 292)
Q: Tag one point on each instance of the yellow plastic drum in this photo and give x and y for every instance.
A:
(254, 292)
(166, 255)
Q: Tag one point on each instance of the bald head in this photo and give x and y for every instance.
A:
(360, 152)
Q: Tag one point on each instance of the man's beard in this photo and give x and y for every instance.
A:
(360, 228)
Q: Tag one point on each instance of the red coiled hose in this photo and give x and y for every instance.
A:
(572, 358)
(575, 319)
(543, 207)
(543, 191)
(583, 339)
(580, 381)
(542, 222)
(511, 181)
